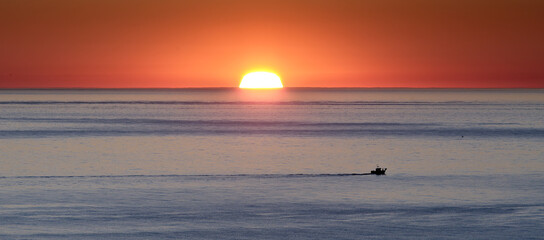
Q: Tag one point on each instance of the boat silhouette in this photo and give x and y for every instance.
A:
(378, 171)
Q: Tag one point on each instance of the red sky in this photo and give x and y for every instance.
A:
(313, 43)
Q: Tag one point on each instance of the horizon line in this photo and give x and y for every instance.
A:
(203, 88)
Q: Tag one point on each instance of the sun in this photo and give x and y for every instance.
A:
(261, 80)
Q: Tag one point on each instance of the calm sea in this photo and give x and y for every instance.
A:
(271, 164)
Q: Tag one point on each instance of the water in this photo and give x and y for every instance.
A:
(235, 164)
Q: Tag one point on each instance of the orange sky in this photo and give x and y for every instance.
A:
(313, 43)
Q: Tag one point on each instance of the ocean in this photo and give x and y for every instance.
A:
(271, 164)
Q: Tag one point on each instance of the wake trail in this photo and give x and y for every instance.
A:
(299, 175)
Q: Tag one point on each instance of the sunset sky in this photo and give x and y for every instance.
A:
(314, 43)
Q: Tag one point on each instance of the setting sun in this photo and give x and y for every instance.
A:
(261, 80)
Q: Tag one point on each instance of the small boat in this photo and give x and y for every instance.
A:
(378, 171)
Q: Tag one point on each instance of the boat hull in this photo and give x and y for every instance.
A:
(378, 171)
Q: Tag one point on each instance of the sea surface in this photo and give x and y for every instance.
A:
(271, 164)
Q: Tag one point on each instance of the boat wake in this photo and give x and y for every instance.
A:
(301, 175)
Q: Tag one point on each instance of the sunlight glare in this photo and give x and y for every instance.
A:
(261, 80)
